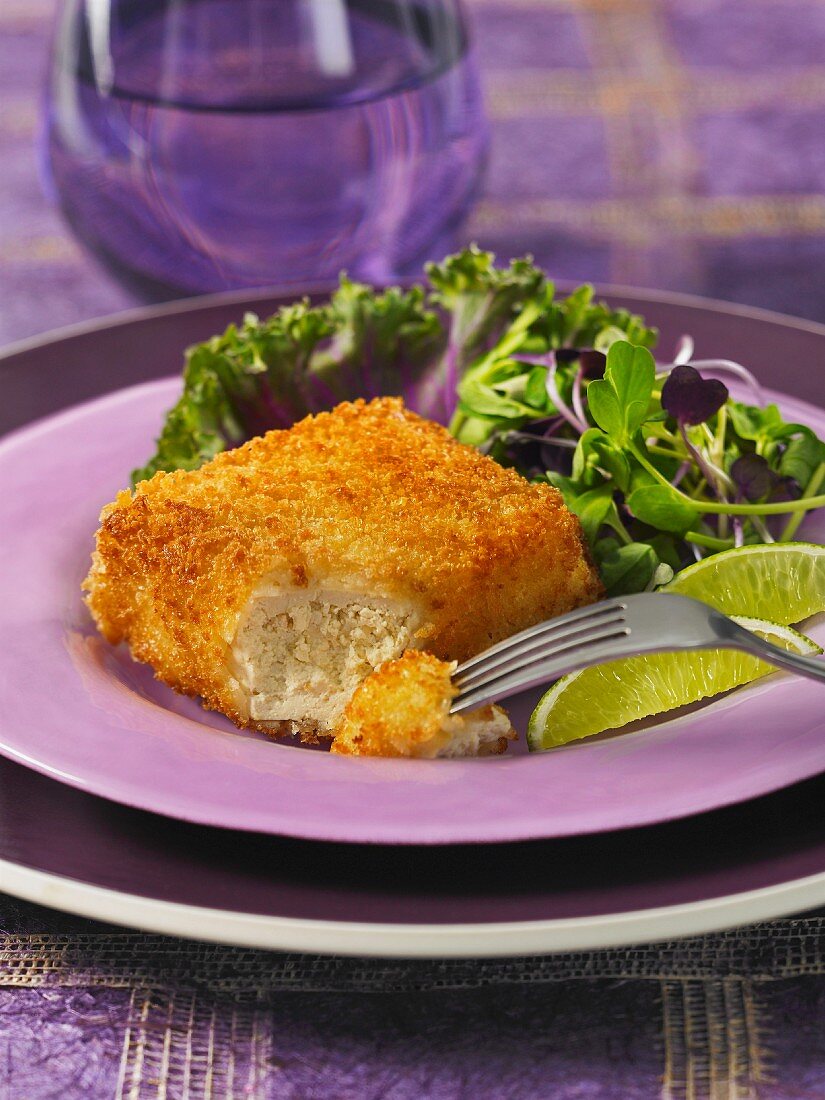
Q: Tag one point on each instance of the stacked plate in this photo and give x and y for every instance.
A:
(122, 801)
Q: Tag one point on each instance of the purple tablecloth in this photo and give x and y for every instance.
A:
(670, 143)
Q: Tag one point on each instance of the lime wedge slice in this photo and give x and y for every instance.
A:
(783, 582)
(609, 696)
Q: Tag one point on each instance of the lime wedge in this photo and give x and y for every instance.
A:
(783, 582)
(609, 696)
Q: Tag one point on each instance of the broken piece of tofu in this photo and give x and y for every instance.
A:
(403, 709)
(271, 581)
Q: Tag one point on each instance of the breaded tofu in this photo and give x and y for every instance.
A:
(403, 709)
(271, 581)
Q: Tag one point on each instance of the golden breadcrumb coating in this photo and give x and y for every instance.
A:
(403, 709)
(368, 498)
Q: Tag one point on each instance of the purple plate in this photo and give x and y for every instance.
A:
(734, 866)
(79, 711)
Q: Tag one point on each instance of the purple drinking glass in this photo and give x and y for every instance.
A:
(198, 145)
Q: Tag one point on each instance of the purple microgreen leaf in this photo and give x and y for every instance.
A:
(728, 366)
(690, 398)
(752, 476)
(784, 489)
(593, 364)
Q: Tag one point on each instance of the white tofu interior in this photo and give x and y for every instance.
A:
(299, 653)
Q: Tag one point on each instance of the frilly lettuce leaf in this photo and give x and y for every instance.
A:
(418, 343)
(268, 374)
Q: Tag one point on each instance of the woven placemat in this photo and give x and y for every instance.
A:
(102, 1012)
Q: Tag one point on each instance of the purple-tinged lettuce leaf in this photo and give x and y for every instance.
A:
(479, 302)
(416, 343)
(268, 374)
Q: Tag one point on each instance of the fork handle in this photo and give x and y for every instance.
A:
(812, 667)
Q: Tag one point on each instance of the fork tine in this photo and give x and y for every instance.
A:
(578, 629)
(554, 662)
(549, 626)
(635, 625)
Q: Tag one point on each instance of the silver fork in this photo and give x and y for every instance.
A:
(654, 622)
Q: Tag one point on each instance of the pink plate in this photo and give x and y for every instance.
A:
(82, 712)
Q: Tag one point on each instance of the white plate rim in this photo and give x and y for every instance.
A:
(387, 940)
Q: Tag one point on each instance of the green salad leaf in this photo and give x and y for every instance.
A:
(620, 402)
(418, 343)
(563, 389)
(654, 489)
(269, 373)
